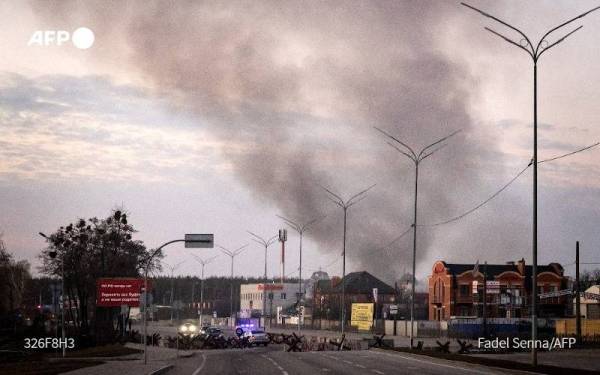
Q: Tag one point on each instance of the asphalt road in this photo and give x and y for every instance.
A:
(274, 361)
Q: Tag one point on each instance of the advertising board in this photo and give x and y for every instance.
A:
(117, 292)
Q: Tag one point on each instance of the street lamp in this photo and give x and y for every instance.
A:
(535, 53)
(172, 268)
(416, 158)
(300, 229)
(345, 205)
(203, 262)
(232, 254)
(53, 255)
(266, 243)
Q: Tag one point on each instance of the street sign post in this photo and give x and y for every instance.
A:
(199, 241)
(143, 302)
(362, 316)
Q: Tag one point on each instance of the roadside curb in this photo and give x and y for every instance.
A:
(162, 370)
(498, 364)
(84, 359)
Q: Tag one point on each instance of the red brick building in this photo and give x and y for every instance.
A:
(457, 290)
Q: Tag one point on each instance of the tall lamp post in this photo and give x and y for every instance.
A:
(203, 262)
(300, 228)
(232, 255)
(417, 158)
(535, 52)
(54, 254)
(345, 205)
(173, 268)
(265, 243)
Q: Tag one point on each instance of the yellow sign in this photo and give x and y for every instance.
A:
(362, 316)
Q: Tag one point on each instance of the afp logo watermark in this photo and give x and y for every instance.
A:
(82, 38)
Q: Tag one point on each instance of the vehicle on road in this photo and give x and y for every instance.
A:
(188, 329)
(257, 337)
(211, 331)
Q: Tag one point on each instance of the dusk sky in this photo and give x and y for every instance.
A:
(214, 117)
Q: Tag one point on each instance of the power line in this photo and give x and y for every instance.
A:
(570, 153)
(458, 217)
(387, 247)
(455, 218)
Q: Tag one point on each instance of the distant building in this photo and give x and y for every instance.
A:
(251, 298)
(590, 303)
(309, 285)
(457, 290)
(358, 288)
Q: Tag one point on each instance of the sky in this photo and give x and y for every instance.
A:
(217, 117)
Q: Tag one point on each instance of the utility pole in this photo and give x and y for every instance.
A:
(172, 268)
(485, 299)
(266, 244)
(282, 239)
(417, 158)
(232, 255)
(203, 262)
(193, 291)
(345, 205)
(300, 228)
(535, 52)
(577, 295)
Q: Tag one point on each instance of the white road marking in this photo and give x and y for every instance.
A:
(283, 372)
(359, 365)
(378, 372)
(197, 371)
(398, 354)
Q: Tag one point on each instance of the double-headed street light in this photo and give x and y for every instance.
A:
(535, 52)
(345, 205)
(417, 158)
(172, 268)
(231, 254)
(203, 262)
(300, 228)
(266, 243)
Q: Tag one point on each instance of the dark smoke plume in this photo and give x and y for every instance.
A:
(296, 87)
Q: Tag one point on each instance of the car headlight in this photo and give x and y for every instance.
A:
(183, 328)
(192, 328)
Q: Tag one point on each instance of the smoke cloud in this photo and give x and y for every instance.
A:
(296, 89)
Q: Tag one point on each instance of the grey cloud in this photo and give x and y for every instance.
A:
(269, 74)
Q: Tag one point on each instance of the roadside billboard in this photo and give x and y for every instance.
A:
(118, 292)
(362, 316)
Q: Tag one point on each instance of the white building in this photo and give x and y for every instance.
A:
(590, 303)
(251, 298)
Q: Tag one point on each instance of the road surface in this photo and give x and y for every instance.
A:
(274, 361)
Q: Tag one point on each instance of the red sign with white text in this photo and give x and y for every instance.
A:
(270, 287)
(118, 292)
